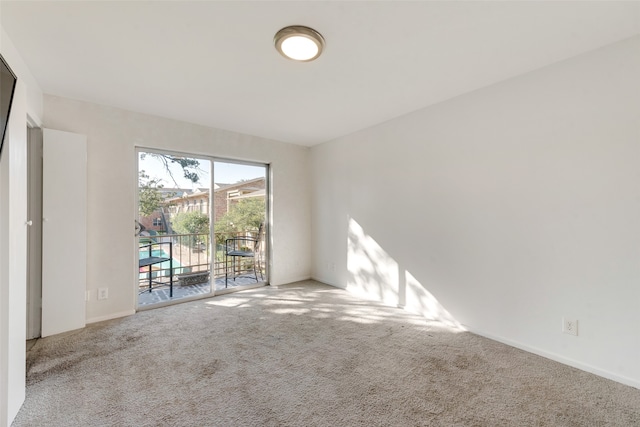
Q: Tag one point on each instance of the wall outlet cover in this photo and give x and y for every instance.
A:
(570, 326)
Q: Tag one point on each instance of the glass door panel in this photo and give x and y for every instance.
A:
(240, 224)
(173, 236)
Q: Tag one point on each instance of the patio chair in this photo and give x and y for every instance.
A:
(153, 259)
(239, 250)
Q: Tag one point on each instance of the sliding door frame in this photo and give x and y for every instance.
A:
(212, 160)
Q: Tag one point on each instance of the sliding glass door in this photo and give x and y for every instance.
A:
(240, 223)
(201, 227)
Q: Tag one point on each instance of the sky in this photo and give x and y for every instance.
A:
(225, 173)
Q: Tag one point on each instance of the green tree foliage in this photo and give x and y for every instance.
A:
(244, 215)
(191, 223)
(149, 198)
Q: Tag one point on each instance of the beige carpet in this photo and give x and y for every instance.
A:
(303, 355)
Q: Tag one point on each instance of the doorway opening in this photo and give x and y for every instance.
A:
(34, 232)
(201, 227)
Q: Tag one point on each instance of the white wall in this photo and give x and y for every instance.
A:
(13, 236)
(33, 93)
(504, 210)
(113, 134)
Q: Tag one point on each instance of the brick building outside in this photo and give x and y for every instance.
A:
(225, 195)
(155, 221)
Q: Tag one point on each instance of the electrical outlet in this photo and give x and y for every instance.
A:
(103, 293)
(332, 266)
(570, 326)
(87, 296)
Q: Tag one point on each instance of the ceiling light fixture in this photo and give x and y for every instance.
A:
(299, 43)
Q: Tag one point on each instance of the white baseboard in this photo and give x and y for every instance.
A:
(561, 359)
(111, 316)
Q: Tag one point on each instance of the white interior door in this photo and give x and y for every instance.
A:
(64, 231)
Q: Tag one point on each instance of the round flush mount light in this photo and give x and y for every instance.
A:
(299, 43)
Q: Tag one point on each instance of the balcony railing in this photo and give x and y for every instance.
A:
(192, 253)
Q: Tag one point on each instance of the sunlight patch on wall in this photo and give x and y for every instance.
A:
(421, 301)
(372, 272)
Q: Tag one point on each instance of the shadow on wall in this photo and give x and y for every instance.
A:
(373, 273)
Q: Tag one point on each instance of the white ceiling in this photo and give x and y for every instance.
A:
(213, 63)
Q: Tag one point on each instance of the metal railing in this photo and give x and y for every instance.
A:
(192, 253)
